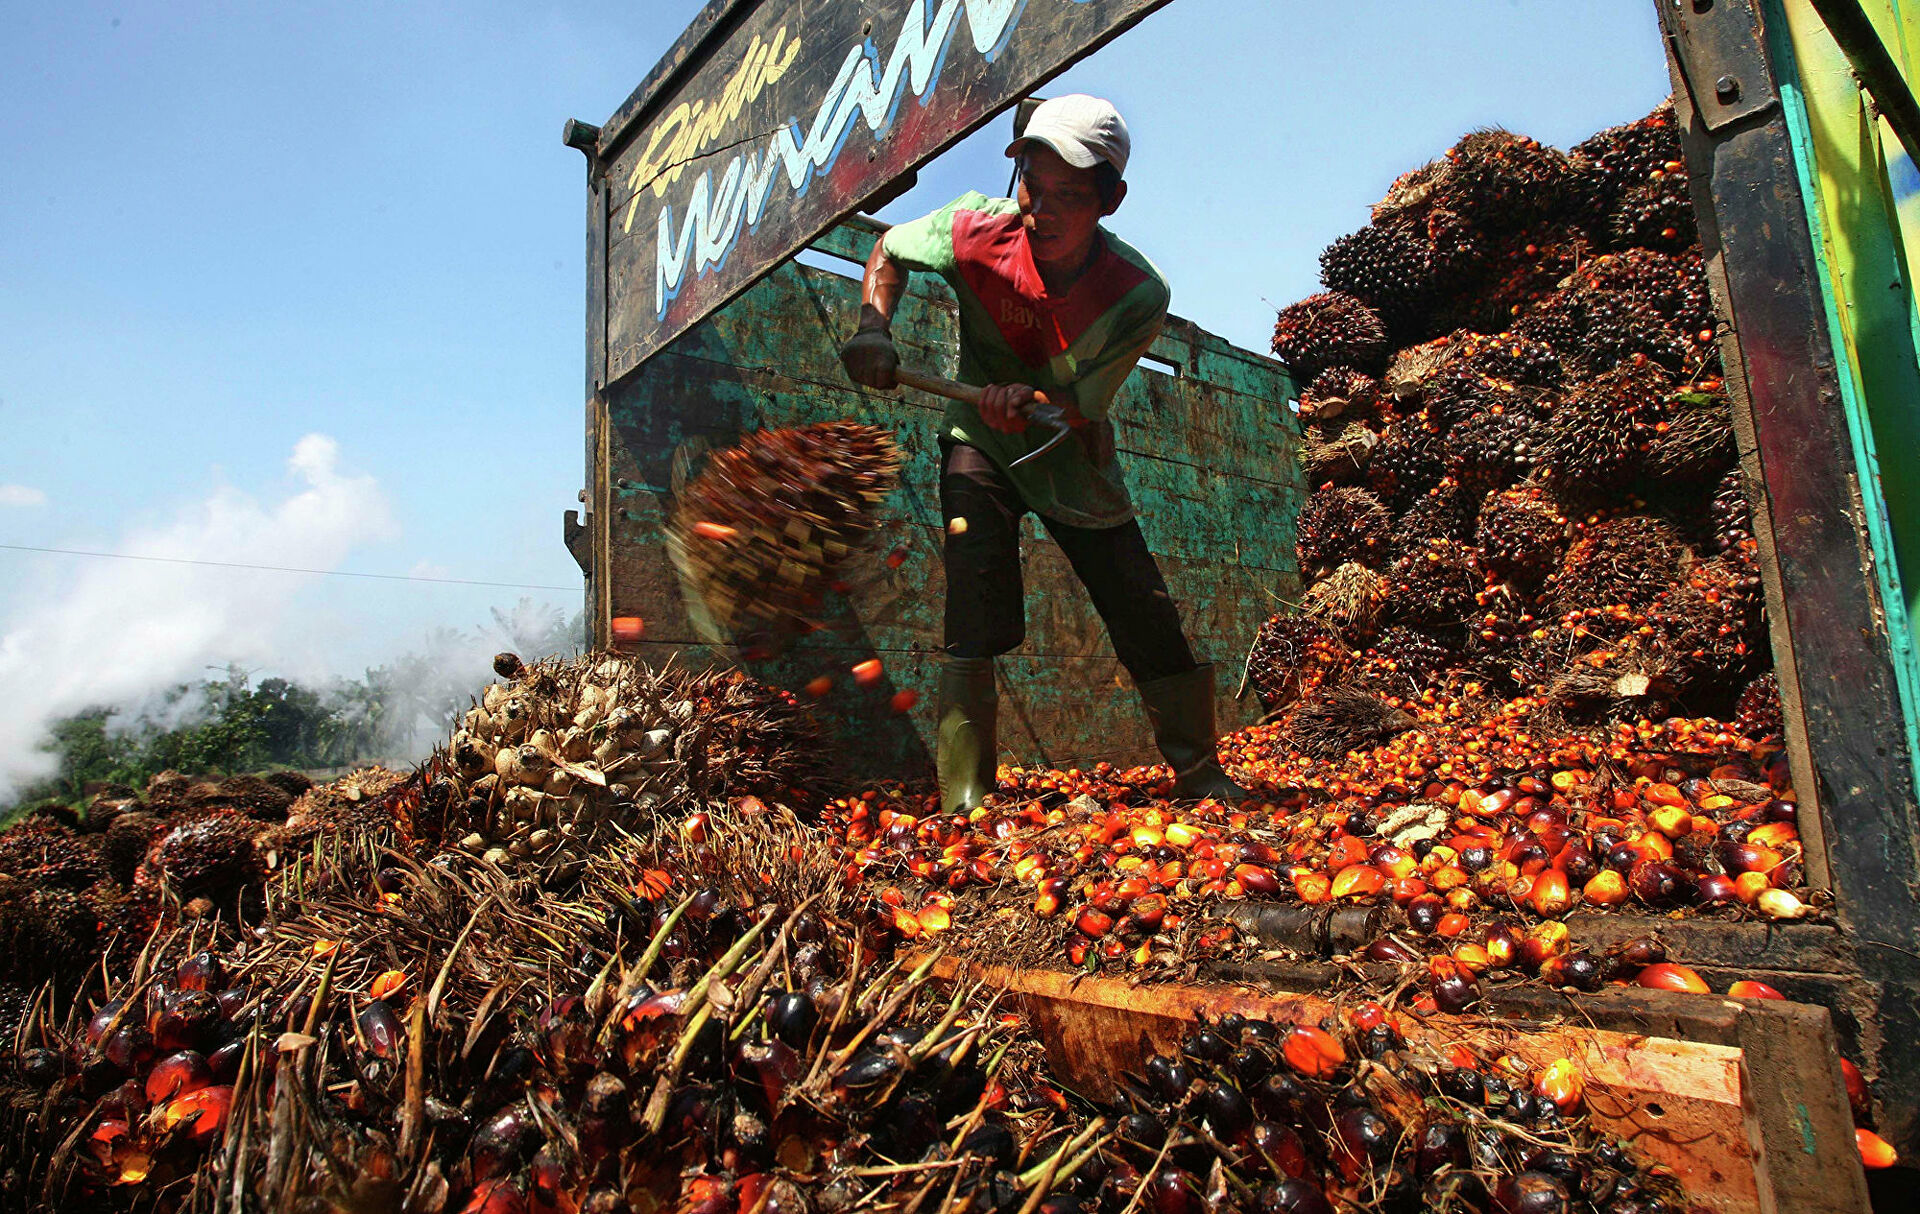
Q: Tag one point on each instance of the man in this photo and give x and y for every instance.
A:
(1050, 302)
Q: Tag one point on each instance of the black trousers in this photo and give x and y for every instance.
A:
(986, 598)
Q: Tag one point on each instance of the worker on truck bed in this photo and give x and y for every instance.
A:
(1050, 301)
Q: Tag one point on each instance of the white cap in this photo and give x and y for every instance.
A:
(1084, 130)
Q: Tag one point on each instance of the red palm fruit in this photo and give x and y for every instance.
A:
(200, 972)
(1714, 889)
(183, 1020)
(1282, 1147)
(1858, 1096)
(1563, 1084)
(1386, 948)
(1358, 881)
(1313, 1052)
(1345, 851)
(1875, 1151)
(1608, 888)
(1406, 889)
(1452, 985)
(1078, 949)
(1452, 924)
(201, 1113)
(1424, 913)
(1749, 989)
(496, 1196)
(1048, 899)
(177, 1074)
(1655, 882)
(1150, 912)
(1392, 861)
(1551, 896)
(1255, 879)
(1093, 923)
(1666, 976)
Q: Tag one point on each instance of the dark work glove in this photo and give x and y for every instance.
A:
(870, 358)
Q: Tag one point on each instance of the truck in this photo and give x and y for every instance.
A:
(1800, 133)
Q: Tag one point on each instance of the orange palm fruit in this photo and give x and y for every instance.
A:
(1449, 877)
(1666, 976)
(1563, 1084)
(1875, 1151)
(935, 919)
(387, 983)
(1671, 821)
(1749, 989)
(1605, 888)
(201, 1112)
(1551, 895)
(1858, 1095)
(1181, 835)
(1666, 794)
(1358, 881)
(1473, 959)
(1312, 888)
(1313, 1052)
(867, 673)
(1775, 835)
(1749, 886)
(1452, 924)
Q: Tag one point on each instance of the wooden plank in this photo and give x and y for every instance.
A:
(1684, 1079)
(787, 117)
(1859, 814)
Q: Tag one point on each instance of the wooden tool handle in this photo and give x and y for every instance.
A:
(951, 389)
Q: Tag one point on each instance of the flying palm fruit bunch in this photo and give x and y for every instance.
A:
(1387, 267)
(562, 746)
(1409, 462)
(759, 534)
(1329, 330)
(1521, 534)
(1293, 656)
(1341, 525)
(1592, 442)
(1444, 512)
(1436, 586)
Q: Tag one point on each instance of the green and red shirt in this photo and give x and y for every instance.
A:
(1076, 348)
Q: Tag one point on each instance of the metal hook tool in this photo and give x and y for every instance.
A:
(1042, 412)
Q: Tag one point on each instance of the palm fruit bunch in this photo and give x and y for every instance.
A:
(1409, 462)
(1504, 180)
(1388, 269)
(1592, 442)
(1757, 712)
(1732, 518)
(1410, 657)
(1337, 452)
(1330, 329)
(1341, 525)
(1521, 534)
(760, 533)
(1625, 561)
(559, 747)
(1618, 163)
(1444, 512)
(1340, 392)
(1492, 449)
(1349, 600)
(1435, 586)
(1293, 656)
(1693, 441)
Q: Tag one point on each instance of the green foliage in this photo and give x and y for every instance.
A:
(227, 724)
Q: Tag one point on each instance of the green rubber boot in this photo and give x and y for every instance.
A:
(1180, 710)
(966, 755)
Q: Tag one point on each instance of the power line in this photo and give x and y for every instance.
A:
(384, 577)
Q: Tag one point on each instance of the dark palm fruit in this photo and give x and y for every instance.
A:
(39, 1067)
(380, 1029)
(1655, 882)
(1226, 1111)
(1424, 912)
(502, 1143)
(1442, 1144)
(1280, 1095)
(1341, 525)
(1378, 1041)
(1583, 970)
(1329, 330)
(869, 1068)
(1462, 1083)
(1169, 1077)
(1206, 1046)
(1144, 1130)
(1281, 1147)
(200, 972)
(1531, 1193)
(225, 1061)
(1387, 948)
(1259, 1031)
(1174, 1190)
(1521, 1104)
(1455, 990)
(1293, 1196)
(1364, 1138)
(185, 1020)
(1435, 587)
(130, 1048)
(1249, 1064)
(792, 1017)
(1592, 441)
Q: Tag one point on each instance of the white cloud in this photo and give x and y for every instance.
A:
(22, 495)
(121, 632)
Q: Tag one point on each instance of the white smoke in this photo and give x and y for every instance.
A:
(120, 633)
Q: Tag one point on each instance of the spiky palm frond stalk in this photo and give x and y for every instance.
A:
(1349, 600)
(1341, 719)
(1341, 525)
(1329, 330)
(1521, 534)
(759, 534)
(1337, 452)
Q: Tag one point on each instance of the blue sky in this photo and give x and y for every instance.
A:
(226, 227)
